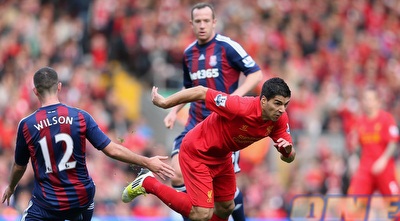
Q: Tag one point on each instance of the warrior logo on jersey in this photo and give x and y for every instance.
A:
(213, 60)
(220, 100)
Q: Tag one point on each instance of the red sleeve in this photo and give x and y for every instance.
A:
(281, 129)
(221, 103)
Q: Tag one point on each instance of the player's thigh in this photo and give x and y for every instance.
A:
(198, 181)
(177, 179)
(224, 182)
(176, 146)
(387, 183)
(35, 213)
(175, 157)
(175, 163)
(87, 213)
(361, 184)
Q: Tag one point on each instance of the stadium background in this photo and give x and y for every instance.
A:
(110, 52)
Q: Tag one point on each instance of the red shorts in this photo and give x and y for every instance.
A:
(207, 183)
(364, 183)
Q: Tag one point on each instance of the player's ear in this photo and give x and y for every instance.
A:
(263, 100)
(59, 85)
(35, 91)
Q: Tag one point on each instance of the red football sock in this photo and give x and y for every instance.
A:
(178, 201)
(217, 218)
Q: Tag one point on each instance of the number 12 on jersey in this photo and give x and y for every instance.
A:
(63, 164)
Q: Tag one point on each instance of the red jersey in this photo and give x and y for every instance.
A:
(235, 123)
(374, 135)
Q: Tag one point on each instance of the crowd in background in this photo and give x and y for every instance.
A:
(326, 51)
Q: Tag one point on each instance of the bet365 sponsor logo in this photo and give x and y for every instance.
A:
(345, 208)
(204, 73)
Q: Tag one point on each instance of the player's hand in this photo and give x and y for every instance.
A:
(7, 195)
(290, 158)
(156, 98)
(283, 146)
(379, 165)
(169, 120)
(157, 166)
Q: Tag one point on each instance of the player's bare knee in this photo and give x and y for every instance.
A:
(200, 214)
(224, 209)
(177, 179)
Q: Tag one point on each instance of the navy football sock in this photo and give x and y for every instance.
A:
(238, 212)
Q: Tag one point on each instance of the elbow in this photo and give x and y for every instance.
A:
(259, 76)
(20, 168)
(163, 105)
(111, 150)
(201, 92)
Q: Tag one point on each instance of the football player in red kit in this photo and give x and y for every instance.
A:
(205, 154)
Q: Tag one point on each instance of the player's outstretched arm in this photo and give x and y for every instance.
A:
(155, 164)
(170, 119)
(180, 97)
(16, 174)
(250, 82)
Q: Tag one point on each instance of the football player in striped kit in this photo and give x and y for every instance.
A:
(54, 139)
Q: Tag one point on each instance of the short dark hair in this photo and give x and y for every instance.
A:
(202, 5)
(274, 87)
(45, 80)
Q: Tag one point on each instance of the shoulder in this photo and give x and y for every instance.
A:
(229, 43)
(32, 115)
(187, 49)
(26, 119)
(223, 38)
(251, 100)
(78, 111)
(74, 109)
(385, 115)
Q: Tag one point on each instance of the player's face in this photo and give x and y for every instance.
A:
(274, 108)
(203, 25)
(370, 102)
